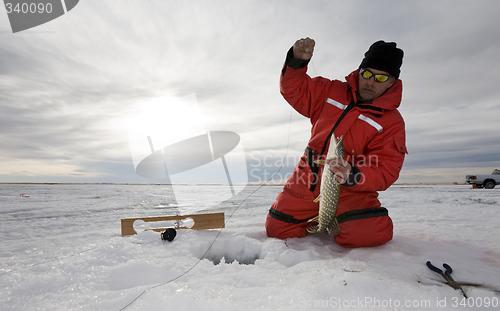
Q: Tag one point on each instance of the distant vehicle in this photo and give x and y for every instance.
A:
(484, 181)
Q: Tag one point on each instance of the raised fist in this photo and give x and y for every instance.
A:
(303, 48)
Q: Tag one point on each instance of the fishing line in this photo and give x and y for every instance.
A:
(237, 207)
(213, 242)
(228, 219)
(314, 68)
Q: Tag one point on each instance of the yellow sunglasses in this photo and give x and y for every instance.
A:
(367, 74)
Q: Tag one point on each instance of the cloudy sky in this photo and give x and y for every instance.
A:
(70, 88)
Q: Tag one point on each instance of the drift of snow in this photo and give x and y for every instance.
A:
(61, 249)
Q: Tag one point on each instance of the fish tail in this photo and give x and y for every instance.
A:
(335, 227)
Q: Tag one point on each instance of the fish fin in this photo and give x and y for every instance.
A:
(312, 229)
(317, 198)
(314, 219)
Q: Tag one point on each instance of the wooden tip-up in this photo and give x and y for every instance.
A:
(201, 222)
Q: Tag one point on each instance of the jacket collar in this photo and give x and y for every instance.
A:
(390, 100)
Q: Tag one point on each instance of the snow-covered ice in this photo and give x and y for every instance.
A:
(61, 249)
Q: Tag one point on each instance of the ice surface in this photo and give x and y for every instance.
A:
(61, 249)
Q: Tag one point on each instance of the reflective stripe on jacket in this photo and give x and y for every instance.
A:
(374, 134)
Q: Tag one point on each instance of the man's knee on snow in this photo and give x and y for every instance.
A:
(282, 230)
(365, 232)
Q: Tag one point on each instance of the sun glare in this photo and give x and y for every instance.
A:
(164, 121)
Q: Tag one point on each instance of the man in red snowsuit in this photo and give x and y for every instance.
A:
(364, 110)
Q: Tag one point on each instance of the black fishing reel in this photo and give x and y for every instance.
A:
(169, 234)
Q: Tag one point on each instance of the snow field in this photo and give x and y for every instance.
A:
(62, 250)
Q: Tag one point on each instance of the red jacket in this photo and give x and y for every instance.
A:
(374, 134)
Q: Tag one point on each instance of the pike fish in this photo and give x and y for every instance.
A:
(329, 192)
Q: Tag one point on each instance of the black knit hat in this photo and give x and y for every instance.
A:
(384, 56)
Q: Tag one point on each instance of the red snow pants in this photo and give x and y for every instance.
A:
(366, 223)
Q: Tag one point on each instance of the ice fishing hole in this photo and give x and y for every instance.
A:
(242, 251)
(229, 260)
